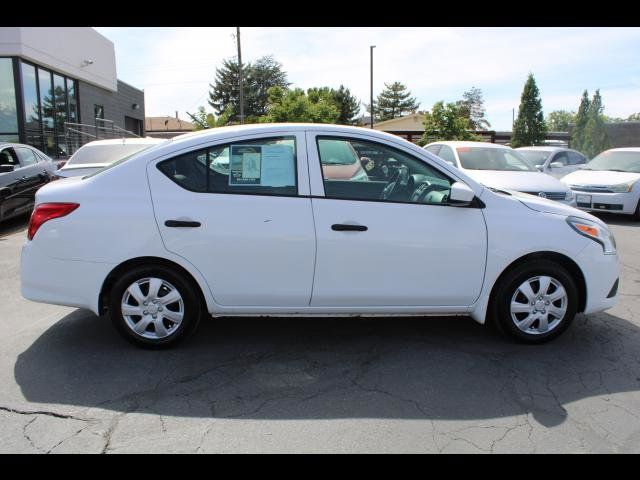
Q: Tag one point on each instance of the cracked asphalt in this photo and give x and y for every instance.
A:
(69, 383)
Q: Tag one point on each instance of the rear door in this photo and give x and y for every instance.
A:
(33, 170)
(12, 198)
(240, 212)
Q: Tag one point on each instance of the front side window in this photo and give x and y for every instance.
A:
(447, 155)
(535, 157)
(9, 157)
(487, 158)
(261, 167)
(396, 177)
(561, 158)
(576, 159)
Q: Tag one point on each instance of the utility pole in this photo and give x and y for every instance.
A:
(240, 77)
(513, 118)
(371, 104)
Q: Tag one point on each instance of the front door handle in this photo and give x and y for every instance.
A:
(343, 227)
(181, 223)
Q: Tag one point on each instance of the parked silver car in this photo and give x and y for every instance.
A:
(555, 161)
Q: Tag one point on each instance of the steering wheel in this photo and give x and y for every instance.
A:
(400, 180)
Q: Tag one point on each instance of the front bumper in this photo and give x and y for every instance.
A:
(600, 273)
(606, 202)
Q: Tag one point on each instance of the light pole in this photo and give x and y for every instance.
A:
(240, 77)
(371, 99)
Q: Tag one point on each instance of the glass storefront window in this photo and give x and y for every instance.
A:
(32, 127)
(8, 110)
(46, 98)
(73, 101)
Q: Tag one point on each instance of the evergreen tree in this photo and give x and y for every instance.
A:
(596, 139)
(258, 78)
(577, 135)
(472, 106)
(395, 101)
(348, 105)
(530, 127)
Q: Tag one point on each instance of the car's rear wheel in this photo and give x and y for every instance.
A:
(535, 302)
(154, 306)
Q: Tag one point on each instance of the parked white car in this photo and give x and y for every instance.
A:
(554, 161)
(610, 182)
(98, 154)
(501, 167)
(169, 234)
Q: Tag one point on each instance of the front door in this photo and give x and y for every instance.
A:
(390, 240)
(251, 233)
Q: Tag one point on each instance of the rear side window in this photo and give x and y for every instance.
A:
(446, 153)
(261, 167)
(26, 156)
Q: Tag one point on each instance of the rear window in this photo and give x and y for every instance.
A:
(106, 153)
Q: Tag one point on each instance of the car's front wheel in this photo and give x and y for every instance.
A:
(154, 306)
(535, 302)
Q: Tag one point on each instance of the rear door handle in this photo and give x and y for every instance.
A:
(181, 223)
(343, 227)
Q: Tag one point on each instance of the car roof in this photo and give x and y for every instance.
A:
(201, 136)
(461, 143)
(125, 141)
(543, 149)
(625, 149)
(9, 144)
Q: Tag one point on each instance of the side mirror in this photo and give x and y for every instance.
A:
(556, 165)
(540, 167)
(461, 194)
(6, 168)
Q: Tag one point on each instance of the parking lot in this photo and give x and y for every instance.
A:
(69, 383)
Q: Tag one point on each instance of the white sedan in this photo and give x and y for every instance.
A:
(165, 237)
(98, 154)
(501, 167)
(610, 182)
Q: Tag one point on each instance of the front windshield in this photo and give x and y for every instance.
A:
(621, 161)
(487, 158)
(535, 157)
(106, 153)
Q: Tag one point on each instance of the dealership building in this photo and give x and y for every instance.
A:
(59, 89)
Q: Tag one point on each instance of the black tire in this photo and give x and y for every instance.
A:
(192, 305)
(499, 309)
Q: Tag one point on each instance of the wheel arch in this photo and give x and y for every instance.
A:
(115, 273)
(571, 266)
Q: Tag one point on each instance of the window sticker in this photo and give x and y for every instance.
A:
(277, 166)
(245, 165)
(264, 165)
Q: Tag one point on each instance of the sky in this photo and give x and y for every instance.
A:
(174, 66)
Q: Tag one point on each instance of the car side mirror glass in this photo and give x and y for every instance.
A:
(461, 194)
(5, 168)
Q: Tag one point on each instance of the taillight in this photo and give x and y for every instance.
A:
(48, 211)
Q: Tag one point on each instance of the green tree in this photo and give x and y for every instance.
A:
(577, 134)
(634, 117)
(395, 101)
(447, 122)
(559, 120)
(203, 120)
(472, 106)
(296, 106)
(348, 105)
(530, 127)
(596, 139)
(257, 79)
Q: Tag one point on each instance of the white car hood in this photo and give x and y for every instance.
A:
(549, 206)
(520, 181)
(600, 178)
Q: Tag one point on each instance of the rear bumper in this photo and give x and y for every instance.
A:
(608, 202)
(601, 273)
(71, 283)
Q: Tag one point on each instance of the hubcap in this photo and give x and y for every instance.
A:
(538, 305)
(152, 308)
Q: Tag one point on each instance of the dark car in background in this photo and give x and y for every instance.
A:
(23, 170)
